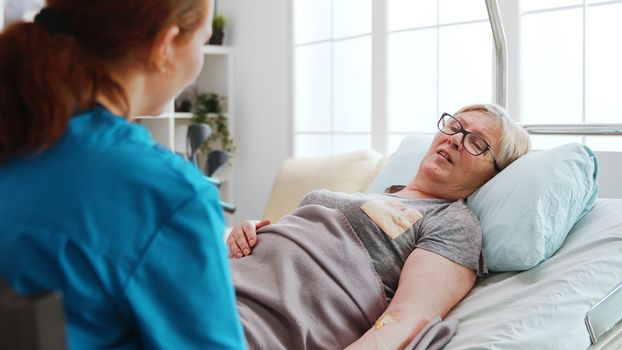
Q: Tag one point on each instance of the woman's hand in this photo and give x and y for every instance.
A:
(243, 237)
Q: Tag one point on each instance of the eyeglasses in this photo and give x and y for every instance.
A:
(473, 143)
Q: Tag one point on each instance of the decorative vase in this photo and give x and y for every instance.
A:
(216, 161)
(217, 38)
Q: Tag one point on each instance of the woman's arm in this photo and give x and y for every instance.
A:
(180, 294)
(429, 285)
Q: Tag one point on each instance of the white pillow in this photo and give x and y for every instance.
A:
(525, 211)
(403, 164)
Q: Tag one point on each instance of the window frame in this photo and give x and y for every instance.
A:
(511, 14)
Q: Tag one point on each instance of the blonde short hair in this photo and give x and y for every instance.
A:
(514, 141)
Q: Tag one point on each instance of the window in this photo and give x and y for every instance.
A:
(14, 10)
(571, 67)
(438, 60)
(332, 76)
(439, 57)
(435, 56)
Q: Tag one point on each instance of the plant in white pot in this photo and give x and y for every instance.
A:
(218, 30)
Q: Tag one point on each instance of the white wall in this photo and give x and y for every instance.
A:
(610, 169)
(1, 14)
(260, 31)
(261, 35)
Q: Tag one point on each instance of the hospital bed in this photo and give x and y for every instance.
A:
(541, 308)
(574, 299)
(544, 307)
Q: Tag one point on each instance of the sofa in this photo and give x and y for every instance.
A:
(349, 172)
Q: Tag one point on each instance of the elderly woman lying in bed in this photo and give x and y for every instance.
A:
(340, 263)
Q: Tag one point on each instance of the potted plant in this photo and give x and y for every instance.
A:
(219, 146)
(218, 26)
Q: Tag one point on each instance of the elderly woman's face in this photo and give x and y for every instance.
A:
(448, 170)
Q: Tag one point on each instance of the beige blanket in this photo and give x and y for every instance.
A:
(309, 284)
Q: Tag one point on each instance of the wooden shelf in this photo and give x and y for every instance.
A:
(157, 117)
(176, 115)
(217, 50)
(183, 115)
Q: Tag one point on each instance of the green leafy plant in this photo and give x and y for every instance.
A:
(208, 110)
(218, 24)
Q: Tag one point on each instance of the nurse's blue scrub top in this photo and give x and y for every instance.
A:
(130, 233)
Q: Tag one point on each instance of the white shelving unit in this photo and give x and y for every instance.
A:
(169, 129)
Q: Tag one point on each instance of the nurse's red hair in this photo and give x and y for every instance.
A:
(47, 75)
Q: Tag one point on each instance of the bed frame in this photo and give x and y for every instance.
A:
(603, 318)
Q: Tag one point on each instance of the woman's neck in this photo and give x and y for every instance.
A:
(414, 193)
(132, 85)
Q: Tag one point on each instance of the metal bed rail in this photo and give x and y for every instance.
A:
(501, 86)
(574, 129)
(501, 53)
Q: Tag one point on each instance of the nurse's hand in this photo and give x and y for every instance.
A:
(243, 237)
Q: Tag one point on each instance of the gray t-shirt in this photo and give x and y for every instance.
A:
(391, 227)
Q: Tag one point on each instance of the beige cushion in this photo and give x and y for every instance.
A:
(349, 172)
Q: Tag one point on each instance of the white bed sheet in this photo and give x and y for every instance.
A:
(544, 307)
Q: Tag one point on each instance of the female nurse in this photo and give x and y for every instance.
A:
(129, 232)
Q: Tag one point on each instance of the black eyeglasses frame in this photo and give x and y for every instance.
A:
(465, 132)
